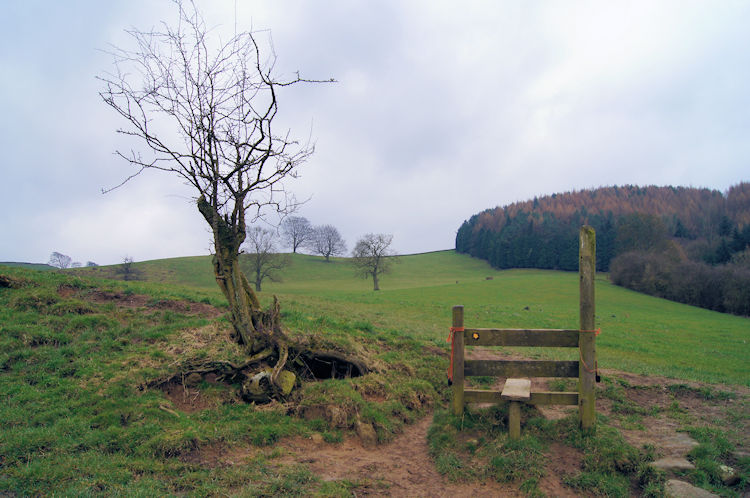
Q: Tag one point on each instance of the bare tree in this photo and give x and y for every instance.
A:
(205, 110)
(265, 261)
(59, 260)
(296, 231)
(327, 241)
(90, 264)
(372, 257)
(127, 270)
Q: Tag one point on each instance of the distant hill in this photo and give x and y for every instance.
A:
(685, 244)
(311, 274)
(31, 266)
(542, 232)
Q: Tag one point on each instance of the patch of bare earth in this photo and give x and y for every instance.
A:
(675, 408)
(125, 300)
(400, 468)
(404, 467)
(189, 399)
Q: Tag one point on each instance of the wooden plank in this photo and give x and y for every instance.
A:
(536, 398)
(553, 398)
(457, 351)
(558, 338)
(483, 396)
(514, 420)
(520, 368)
(587, 341)
(516, 389)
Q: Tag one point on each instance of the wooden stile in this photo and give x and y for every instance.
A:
(517, 389)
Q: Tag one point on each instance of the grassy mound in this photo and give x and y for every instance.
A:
(77, 352)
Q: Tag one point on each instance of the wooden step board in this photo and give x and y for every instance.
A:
(516, 391)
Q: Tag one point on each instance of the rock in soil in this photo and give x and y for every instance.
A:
(367, 434)
(681, 489)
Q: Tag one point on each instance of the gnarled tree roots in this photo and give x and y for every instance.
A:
(256, 376)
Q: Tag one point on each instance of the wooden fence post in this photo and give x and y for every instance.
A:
(587, 338)
(457, 351)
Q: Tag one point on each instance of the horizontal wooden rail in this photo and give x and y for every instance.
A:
(520, 368)
(555, 338)
(537, 398)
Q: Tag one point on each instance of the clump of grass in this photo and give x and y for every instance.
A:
(714, 451)
(39, 300)
(364, 326)
(476, 446)
(521, 460)
(609, 463)
(482, 382)
(563, 385)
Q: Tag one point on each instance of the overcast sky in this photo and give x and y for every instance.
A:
(441, 109)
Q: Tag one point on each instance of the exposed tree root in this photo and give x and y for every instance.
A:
(256, 377)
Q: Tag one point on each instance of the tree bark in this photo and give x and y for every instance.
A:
(256, 329)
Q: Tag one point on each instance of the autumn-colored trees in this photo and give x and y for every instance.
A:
(633, 226)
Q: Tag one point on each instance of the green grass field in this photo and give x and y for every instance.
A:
(640, 334)
(77, 420)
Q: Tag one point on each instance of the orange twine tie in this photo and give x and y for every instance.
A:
(580, 354)
(596, 332)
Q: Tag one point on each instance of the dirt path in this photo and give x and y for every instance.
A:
(403, 467)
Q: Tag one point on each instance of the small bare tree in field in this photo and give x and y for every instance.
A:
(372, 257)
(204, 110)
(127, 270)
(265, 261)
(327, 241)
(297, 232)
(59, 260)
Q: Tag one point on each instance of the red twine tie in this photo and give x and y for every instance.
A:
(595, 370)
(596, 332)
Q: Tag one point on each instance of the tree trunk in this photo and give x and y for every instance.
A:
(375, 280)
(258, 330)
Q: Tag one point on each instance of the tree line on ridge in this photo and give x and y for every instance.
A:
(686, 244)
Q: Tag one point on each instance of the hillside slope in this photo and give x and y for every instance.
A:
(641, 334)
(29, 266)
(78, 355)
